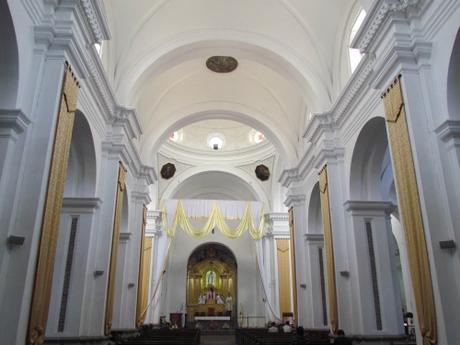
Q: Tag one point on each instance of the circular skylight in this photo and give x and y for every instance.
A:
(216, 141)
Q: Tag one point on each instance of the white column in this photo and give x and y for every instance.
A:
(315, 285)
(80, 276)
(373, 270)
(153, 229)
(297, 200)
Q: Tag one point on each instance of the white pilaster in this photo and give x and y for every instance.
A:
(373, 279)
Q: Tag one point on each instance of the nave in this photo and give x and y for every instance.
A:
(207, 168)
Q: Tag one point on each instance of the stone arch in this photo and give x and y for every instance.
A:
(9, 60)
(366, 164)
(244, 178)
(453, 81)
(82, 168)
(227, 111)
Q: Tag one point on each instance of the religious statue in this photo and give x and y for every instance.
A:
(219, 299)
(211, 278)
(202, 299)
(229, 303)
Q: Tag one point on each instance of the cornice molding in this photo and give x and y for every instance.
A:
(375, 19)
(293, 200)
(359, 207)
(128, 120)
(319, 238)
(13, 121)
(277, 216)
(96, 19)
(80, 204)
(448, 130)
(141, 196)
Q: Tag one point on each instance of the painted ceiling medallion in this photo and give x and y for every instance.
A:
(168, 170)
(222, 64)
(262, 172)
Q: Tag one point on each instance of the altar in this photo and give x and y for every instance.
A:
(211, 287)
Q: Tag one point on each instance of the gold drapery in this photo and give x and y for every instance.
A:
(144, 272)
(284, 278)
(293, 262)
(215, 219)
(52, 211)
(410, 209)
(114, 250)
(329, 246)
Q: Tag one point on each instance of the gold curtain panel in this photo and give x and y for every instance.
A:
(114, 251)
(410, 210)
(52, 211)
(293, 262)
(284, 277)
(215, 219)
(144, 272)
(329, 246)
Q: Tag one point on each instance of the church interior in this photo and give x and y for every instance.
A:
(229, 172)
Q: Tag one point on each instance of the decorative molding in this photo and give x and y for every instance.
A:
(80, 204)
(448, 130)
(293, 200)
(277, 216)
(375, 19)
(128, 120)
(125, 236)
(377, 208)
(12, 121)
(96, 19)
(318, 238)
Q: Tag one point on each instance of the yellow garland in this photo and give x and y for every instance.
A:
(216, 219)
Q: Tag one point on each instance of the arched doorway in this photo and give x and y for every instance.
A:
(211, 287)
(375, 233)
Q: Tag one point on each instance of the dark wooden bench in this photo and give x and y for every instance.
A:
(165, 337)
(259, 336)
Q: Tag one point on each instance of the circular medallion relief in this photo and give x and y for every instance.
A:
(262, 172)
(168, 170)
(222, 64)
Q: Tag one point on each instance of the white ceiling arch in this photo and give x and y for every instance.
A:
(160, 129)
(234, 183)
(203, 43)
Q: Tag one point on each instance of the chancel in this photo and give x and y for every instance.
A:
(229, 172)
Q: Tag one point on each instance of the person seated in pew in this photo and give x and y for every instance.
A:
(287, 327)
(299, 337)
(340, 338)
(273, 328)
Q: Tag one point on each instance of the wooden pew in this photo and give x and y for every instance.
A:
(165, 337)
(260, 336)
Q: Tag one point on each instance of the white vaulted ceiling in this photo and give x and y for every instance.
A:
(291, 55)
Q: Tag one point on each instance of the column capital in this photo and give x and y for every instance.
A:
(369, 208)
(294, 200)
(12, 122)
(314, 238)
(80, 205)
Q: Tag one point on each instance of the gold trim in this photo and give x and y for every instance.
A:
(329, 247)
(411, 211)
(284, 281)
(293, 262)
(114, 250)
(43, 282)
(144, 272)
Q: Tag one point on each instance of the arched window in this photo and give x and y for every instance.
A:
(355, 54)
(98, 47)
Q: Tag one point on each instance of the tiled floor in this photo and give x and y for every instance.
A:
(217, 340)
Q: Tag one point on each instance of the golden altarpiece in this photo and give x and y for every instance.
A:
(211, 283)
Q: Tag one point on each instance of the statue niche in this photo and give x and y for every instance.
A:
(211, 282)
